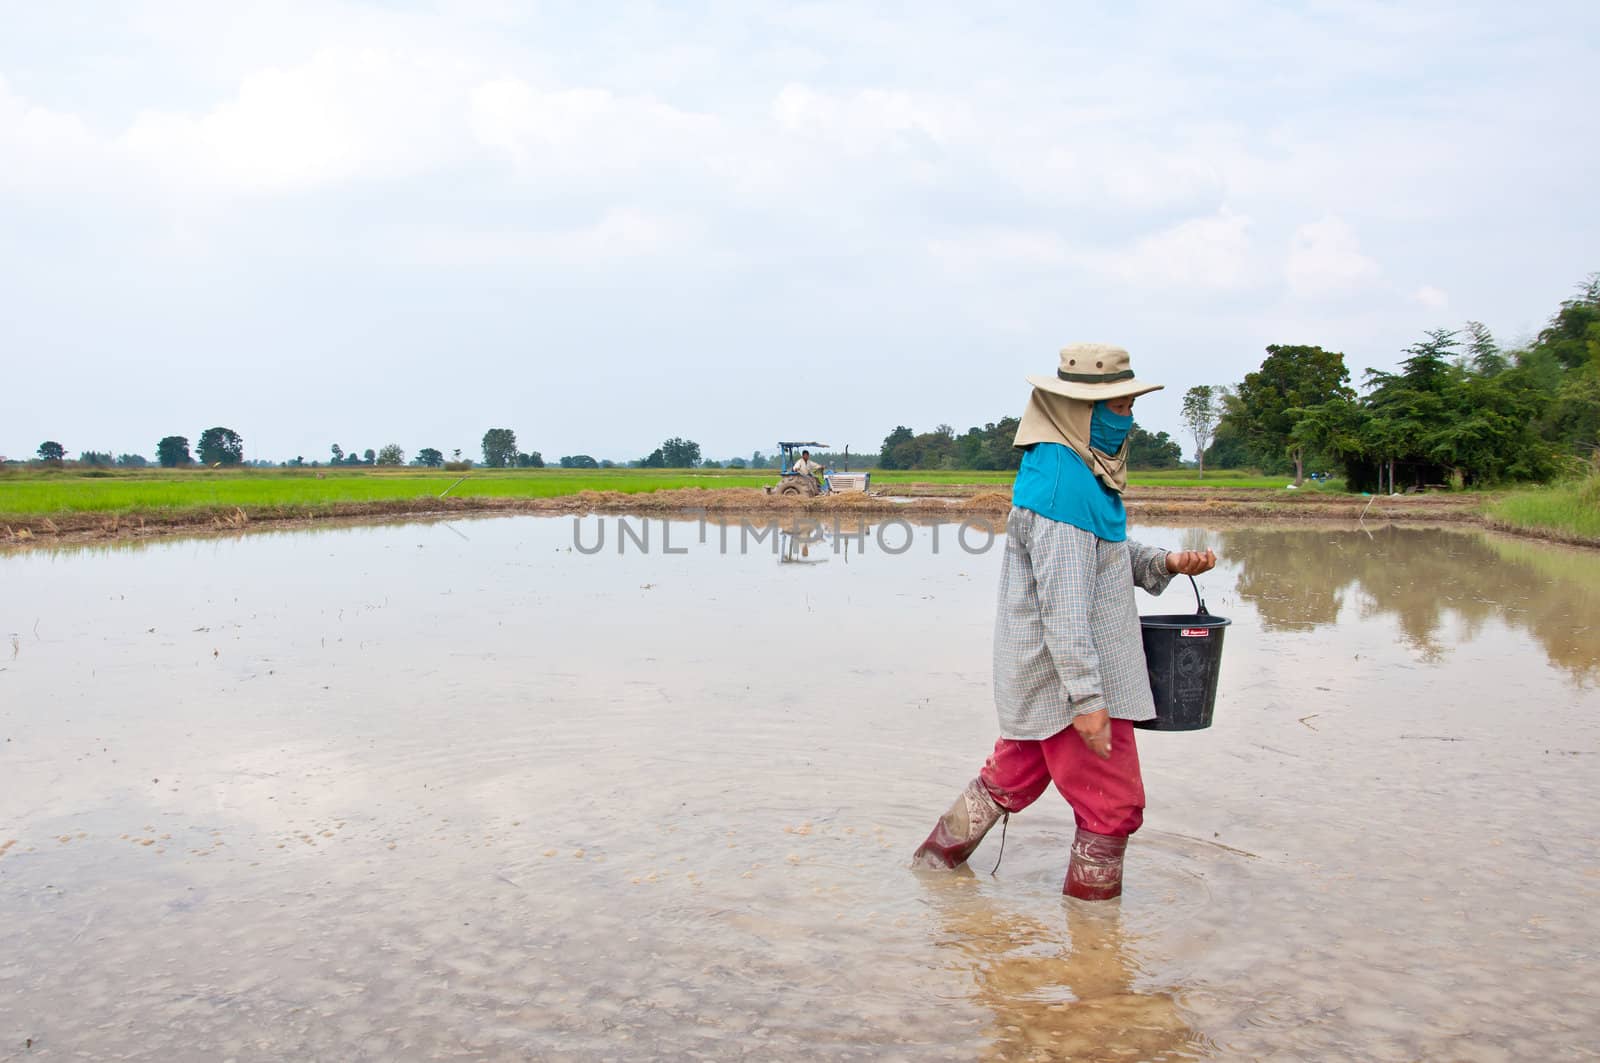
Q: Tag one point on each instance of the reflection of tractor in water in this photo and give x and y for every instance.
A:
(804, 482)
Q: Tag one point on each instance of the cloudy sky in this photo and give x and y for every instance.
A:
(604, 224)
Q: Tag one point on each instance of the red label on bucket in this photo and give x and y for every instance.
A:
(1196, 633)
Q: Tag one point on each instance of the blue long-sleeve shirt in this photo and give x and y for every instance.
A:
(1054, 482)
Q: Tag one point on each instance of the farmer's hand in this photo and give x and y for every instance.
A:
(1095, 730)
(1191, 562)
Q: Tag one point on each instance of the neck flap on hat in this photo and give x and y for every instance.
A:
(1051, 418)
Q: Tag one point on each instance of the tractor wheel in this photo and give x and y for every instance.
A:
(798, 487)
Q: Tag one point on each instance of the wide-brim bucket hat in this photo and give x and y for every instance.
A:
(1092, 372)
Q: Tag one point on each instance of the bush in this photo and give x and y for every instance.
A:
(457, 466)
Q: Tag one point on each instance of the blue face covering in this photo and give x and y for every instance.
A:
(1107, 430)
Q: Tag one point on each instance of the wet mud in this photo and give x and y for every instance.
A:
(462, 789)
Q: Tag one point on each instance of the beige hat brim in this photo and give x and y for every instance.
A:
(1093, 392)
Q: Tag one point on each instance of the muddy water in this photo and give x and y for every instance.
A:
(464, 791)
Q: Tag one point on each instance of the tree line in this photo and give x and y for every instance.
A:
(1458, 409)
(225, 447)
(990, 447)
(216, 446)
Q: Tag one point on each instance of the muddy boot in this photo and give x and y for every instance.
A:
(1095, 873)
(959, 830)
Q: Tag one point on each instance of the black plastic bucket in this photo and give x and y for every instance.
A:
(1183, 654)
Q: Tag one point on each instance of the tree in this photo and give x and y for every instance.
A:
(95, 458)
(989, 447)
(1483, 353)
(1568, 335)
(173, 451)
(430, 457)
(656, 459)
(1337, 428)
(1202, 407)
(369, 456)
(391, 454)
(220, 446)
(531, 460)
(1291, 377)
(1564, 364)
(1405, 408)
(892, 454)
(1488, 432)
(50, 450)
(679, 453)
(338, 454)
(1429, 362)
(579, 461)
(1574, 416)
(1003, 453)
(1146, 451)
(499, 447)
(132, 461)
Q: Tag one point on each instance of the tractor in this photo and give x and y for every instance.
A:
(805, 486)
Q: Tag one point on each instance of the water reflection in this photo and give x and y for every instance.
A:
(1425, 579)
(1058, 991)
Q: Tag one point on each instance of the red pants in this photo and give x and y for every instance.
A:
(1107, 796)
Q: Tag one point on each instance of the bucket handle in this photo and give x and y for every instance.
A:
(1199, 602)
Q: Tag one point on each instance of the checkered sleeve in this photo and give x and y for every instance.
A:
(1065, 563)
(1149, 566)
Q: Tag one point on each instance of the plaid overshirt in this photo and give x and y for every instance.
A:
(1066, 633)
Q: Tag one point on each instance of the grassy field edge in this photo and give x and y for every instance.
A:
(1567, 511)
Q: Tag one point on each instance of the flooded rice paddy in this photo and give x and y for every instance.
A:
(436, 791)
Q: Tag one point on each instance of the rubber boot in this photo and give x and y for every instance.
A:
(1095, 873)
(958, 832)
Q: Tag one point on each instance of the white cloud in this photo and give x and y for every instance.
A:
(341, 115)
(584, 131)
(870, 120)
(1210, 253)
(1000, 248)
(623, 234)
(1430, 297)
(1101, 166)
(1325, 260)
(39, 147)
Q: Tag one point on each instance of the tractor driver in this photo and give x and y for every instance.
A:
(805, 466)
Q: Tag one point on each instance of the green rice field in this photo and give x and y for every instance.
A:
(165, 490)
(32, 493)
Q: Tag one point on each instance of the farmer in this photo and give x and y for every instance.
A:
(805, 466)
(1069, 670)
